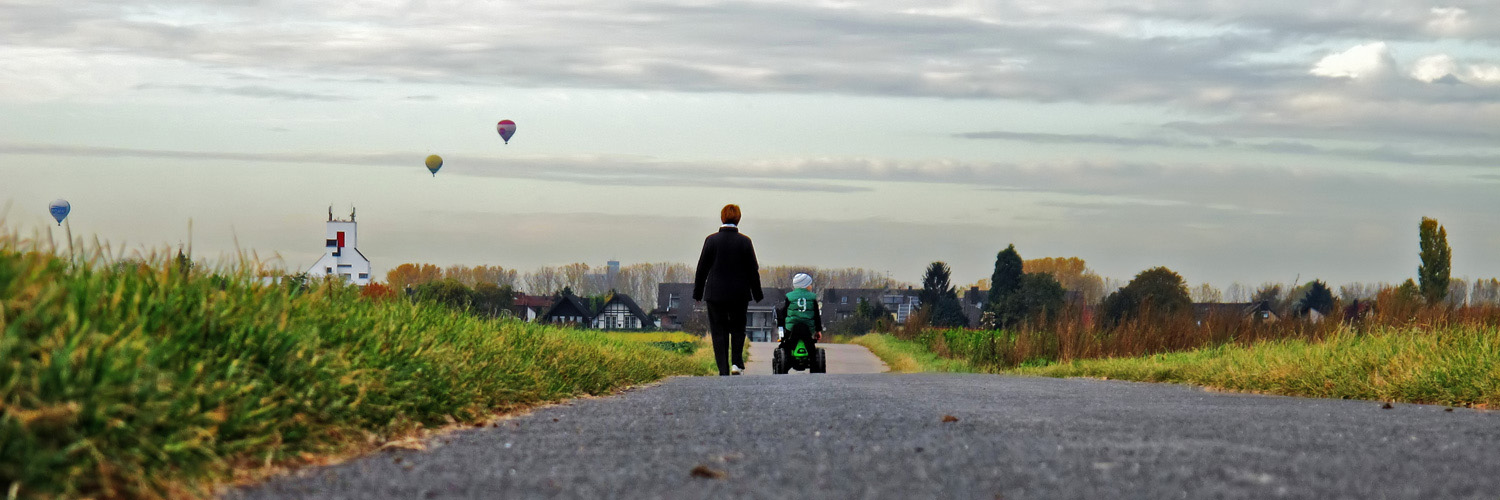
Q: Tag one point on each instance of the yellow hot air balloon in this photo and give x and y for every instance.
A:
(434, 162)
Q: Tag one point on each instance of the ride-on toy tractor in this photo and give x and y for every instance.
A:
(799, 351)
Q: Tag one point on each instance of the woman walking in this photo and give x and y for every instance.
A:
(728, 279)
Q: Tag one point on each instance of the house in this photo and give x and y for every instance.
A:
(531, 307)
(342, 258)
(568, 308)
(1257, 311)
(840, 303)
(620, 312)
(674, 303)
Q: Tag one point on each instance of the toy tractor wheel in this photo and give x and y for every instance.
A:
(820, 362)
(778, 362)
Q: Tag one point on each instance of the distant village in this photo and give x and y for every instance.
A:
(606, 307)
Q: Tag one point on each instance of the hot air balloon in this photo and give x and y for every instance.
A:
(60, 209)
(434, 162)
(506, 128)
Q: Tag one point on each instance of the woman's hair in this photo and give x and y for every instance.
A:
(730, 214)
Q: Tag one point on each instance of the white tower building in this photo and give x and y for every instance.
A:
(342, 258)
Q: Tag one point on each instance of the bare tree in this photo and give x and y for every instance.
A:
(1206, 293)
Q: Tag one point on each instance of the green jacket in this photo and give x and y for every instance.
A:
(801, 307)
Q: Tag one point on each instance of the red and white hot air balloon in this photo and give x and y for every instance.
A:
(506, 128)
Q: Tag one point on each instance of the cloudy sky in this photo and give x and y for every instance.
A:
(1228, 140)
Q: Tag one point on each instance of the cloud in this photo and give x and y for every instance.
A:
(1044, 138)
(1448, 21)
(1384, 154)
(1369, 60)
(1434, 68)
(251, 91)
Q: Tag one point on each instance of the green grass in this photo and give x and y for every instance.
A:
(1453, 366)
(904, 356)
(142, 380)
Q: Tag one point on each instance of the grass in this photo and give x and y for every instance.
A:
(1451, 366)
(146, 379)
(905, 356)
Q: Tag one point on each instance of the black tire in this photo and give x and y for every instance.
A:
(778, 362)
(820, 362)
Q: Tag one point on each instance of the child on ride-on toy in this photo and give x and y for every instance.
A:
(801, 329)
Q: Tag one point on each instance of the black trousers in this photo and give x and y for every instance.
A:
(726, 325)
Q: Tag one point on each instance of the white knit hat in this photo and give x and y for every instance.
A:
(801, 280)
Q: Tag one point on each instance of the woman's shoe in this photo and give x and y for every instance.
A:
(735, 370)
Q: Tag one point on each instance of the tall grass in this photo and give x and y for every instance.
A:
(1076, 336)
(1458, 365)
(152, 379)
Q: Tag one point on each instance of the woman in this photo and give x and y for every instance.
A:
(728, 279)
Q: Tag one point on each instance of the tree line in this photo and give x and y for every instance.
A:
(637, 280)
(1036, 291)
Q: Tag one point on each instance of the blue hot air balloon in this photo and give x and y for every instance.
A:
(60, 209)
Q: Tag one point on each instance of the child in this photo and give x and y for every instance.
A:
(800, 310)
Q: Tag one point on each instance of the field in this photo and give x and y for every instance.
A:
(1455, 365)
(152, 377)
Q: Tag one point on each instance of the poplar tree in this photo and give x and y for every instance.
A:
(1437, 257)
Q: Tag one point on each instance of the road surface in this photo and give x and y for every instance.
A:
(885, 436)
(842, 358)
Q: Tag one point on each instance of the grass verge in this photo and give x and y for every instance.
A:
(1451, 366)
(903, 356)
(150, 379)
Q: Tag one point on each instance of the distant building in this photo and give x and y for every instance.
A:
(840, 303)
(622, 313)
(1241, 311)
(530, 307)
(568, 308)
(341, 258)
(674, 303)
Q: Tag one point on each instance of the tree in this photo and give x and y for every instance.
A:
(1269, 293)
(447, 292)
(1073, 273)
(1006, 279)
(936, 282)
(544, 280)
(1207, 293)
(1317, 297)
(1005, 284)
(412, 274)
(492, 300)
(1433, 274)
(949, 313)
(1157, 292)
(1040, 298)
(940, 299)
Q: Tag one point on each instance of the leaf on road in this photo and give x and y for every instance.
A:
(949, 418)
(1386, 406)
(707, 472)
(405, 444)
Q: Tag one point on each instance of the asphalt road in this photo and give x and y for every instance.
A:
(884, 436)
(842, 358)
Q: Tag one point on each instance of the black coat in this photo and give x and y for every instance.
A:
(727, 269)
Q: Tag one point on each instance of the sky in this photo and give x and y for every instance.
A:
(1230, 141)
